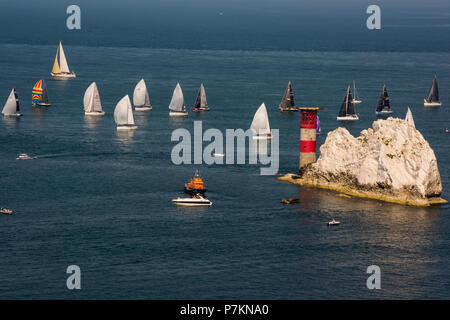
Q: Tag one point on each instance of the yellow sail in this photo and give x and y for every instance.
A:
(56, 68)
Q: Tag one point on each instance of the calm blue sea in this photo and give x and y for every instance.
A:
(101, 200)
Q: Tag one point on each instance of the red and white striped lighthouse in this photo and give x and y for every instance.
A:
(308, 126)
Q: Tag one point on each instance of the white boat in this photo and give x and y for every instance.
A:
(409, 118)
(23, 156)
(347, 111)
(287, 102)
(384, 105)
(260, 124)
(141, 99)
(200, 103)
(12, 107)
(433, 95)
(6, 211)
(197, 200)
(333, 223)
(61, 69)
(123, 115)
(218, 155)
(177, 106)
(356, 99)
(91, 101)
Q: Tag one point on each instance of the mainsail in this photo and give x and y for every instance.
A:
(355, 93)
(140, 95)
(39, 92)
(123, 113)
(409, 118)
(383, 101)
(91, 99)
(177, 102)
(12, 104)
(347, 107)
(260, 124)
(318, 125)
(288, 98)
(433, 95)
(201, 102)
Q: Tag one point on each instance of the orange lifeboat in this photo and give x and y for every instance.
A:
(195, 185)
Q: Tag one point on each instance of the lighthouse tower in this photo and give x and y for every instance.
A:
(308, 125)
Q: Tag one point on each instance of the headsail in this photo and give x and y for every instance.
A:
(201, 102)
(140, 95)
(177, 102)
(347, 107)
(318, 125)
(409, 118)
(288, 98)
(12, 104)
(123, 113)
(91, 99)
(433, 94)
(260, 124)
(383, 101)
(56, 69)
(355, 93)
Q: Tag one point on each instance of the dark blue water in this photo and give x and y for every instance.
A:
(101, 199)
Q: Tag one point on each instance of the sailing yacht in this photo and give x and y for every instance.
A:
(347, 111)
(177, 106)
(409, 118)
(433, 95)
(318, 129)
(200, 103)
(61, 69)
(383, 106)
(123, 115)
(141, 100)
(287, 102)
(356, 99)
(39, 95)
(12, 107)
(260, 124)
(91, 101)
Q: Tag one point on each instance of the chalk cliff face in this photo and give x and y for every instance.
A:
(392, 161)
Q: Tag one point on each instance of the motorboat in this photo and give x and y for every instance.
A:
(23, 156)
(197, 200)
(333, 223)
(6, 211)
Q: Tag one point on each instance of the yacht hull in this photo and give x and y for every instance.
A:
(142, 108)
(178, 114)
(124, 128)
(94, 113)
(63, 76)
(431, 104)
(347, 118)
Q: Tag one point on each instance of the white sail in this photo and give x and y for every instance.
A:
(177, 102)
(91, 99)
(140, 95)
(62, 60)
(10, 105)
(260, 124)
(409, 118)
(123, 113)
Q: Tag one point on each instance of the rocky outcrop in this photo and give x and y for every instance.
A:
(391, 161)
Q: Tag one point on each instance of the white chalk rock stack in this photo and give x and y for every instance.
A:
(392, 158)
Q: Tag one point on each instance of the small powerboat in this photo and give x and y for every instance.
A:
(6, 211)
(218, 155)
(197, 200)
(23, 156)
(333, 223)
(447, 130)
(195, 185)
(289, 201)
